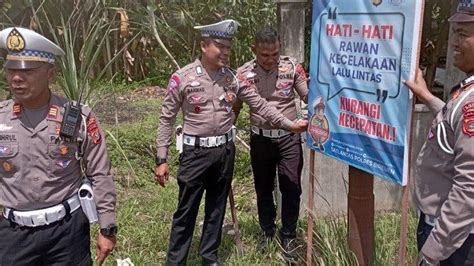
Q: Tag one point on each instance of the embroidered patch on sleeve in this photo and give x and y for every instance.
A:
(301, 72)
(468, 121)
(173, 83)
(93, 130)
(468, 110)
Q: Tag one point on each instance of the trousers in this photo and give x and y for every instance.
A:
(201, 170)
(286, 155)
(66, 242)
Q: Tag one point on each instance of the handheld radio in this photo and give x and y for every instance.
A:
(71, 118)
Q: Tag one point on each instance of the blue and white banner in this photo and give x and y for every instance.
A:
(359, 108)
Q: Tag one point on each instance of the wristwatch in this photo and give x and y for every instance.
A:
(424, 262)
(159, 161)
(110, 230)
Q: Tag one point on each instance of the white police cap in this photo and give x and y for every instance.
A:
(27, 49)
(465, 12)
(221, 30)
(318, 103)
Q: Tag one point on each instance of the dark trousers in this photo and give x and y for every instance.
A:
(284, 154)
(201, 169)
(66, 242)
(462, 256)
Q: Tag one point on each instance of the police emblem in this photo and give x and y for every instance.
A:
(376, 2)
(7, 166)
(63, 150)
(173, 83)
(15, 42)
(468, 115)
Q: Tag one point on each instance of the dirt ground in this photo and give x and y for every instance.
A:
(112, 109)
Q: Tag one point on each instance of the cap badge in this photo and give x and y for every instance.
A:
(15, 42)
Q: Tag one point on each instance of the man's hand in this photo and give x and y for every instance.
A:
(419, 88)
(162, 174)
(299, 126)
(105, 245)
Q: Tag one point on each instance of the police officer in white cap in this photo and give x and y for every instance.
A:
(444, 173)
(205, 91)
(40, 169)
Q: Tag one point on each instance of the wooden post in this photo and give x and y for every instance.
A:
(309, 242)
(360, 215)
(235, 222)
(402, 252)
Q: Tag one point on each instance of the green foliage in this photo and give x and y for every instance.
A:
(181, 37)
(86, 29)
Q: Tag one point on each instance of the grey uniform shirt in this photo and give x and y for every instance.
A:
(38, 170)
(278, 86)
(444, 174)
(206, 100)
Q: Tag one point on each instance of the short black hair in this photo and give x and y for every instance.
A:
(267, 35)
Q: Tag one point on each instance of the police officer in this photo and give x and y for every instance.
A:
(278, 79)
(444, 173)
(205, 91)
(40, 171)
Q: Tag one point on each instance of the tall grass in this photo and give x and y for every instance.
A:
(145, 209)
(84, 34)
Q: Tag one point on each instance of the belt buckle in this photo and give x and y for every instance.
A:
(39, 219)
(212, 141)
(187, 140)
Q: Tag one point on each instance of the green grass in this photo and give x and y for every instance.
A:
(145, 209)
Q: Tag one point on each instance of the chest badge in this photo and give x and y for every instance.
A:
(195, 83)
(5, 151)
(283, 85)
(229, 97)
(251, 74)
(63, 163)
(63, 150)
(285, 92)
(197, 109)
(7, 166)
